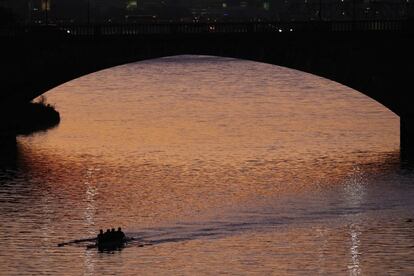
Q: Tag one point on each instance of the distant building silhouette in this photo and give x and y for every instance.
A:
(107, 11)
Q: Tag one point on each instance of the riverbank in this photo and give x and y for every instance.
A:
(26, 119)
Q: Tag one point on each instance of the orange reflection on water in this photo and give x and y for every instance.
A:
(254, 167)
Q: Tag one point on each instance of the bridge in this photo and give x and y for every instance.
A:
(373, 57)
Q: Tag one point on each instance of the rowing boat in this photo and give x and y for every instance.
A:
(110, 245)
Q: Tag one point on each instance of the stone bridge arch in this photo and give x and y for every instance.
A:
(375, 63)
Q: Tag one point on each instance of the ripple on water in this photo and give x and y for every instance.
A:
(223, 165)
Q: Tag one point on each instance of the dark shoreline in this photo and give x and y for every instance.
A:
(26, 119)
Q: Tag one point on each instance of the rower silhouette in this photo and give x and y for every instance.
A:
(111, 235)
(100, 236)
(119, 234)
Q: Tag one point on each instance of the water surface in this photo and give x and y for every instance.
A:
(224, 166)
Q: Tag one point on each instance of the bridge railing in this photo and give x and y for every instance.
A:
(214, 27)
(239, 27)
(370, 25)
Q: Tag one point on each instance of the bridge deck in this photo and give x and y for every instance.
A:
(217, 27)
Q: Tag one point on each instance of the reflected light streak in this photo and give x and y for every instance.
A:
(355, 187)
(90, 194)
(89, 213)
(355, 196)
(320, 232)
(89, 263)
(354, 267)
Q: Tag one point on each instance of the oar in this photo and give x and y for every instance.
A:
(128, 239)
(76, 241)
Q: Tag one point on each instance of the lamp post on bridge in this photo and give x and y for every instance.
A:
(45, 8)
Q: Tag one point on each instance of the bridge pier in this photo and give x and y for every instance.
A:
(407, 137)
(6, 140)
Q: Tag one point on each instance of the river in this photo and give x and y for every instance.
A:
(217, 166)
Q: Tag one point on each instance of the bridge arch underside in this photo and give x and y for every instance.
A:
(376, 64)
